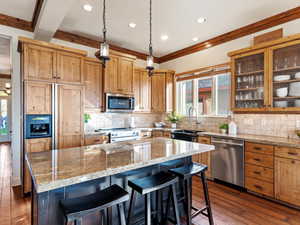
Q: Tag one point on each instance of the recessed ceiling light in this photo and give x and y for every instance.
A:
(87, 7)
(164, 37)
(201, 20)
(195, 39)
(132, 25)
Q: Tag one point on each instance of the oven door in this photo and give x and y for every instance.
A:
(119, 103)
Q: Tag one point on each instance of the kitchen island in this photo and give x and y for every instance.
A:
(74, 172)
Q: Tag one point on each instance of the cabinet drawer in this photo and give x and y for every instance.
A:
(204, 140)
(94, 140)
(287, 152)
(260, 187)
(167, 134)
(259, 159)
(259, 148)
(157, 133)
(258, 172)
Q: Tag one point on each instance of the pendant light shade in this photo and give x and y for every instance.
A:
(103, 53)
(150, 59)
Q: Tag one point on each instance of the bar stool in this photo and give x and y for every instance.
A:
(75, 209)
(147, 185)
(185, 173)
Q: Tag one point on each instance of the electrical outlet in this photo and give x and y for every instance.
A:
(297, 123)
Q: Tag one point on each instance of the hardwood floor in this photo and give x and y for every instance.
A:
(230, 207)
(14, 210)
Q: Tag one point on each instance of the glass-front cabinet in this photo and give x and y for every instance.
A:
(249, 81)
(267, 78)
(285, 76)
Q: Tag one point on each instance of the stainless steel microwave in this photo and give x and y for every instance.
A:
(119, 103)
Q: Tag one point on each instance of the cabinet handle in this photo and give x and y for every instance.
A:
(257, 172)
(258, 186)
(58, 78)
(292, 153)
(257, 148)
(255, 159)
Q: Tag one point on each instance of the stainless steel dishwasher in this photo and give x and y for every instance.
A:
(228, 160)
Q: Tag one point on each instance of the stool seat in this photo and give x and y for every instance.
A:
(100, 200)
(153, 183)
(187, 171)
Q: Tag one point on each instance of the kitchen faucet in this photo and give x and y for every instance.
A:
(190, 113)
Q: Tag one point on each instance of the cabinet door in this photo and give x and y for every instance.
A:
(125, 76)
(170, 92)
(69, 68)
(205, 158)
(284, 91)
(250, 82)
(158, 97)
(111, 75)
(145, 92)
(70, 116)
(37, 97)
(92, 72)
(33, 145)
(287, 180)
(137, 91)
(39, 63)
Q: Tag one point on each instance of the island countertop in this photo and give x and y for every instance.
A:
(63, 167)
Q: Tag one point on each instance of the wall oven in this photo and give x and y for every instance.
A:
(119, 103)
(38, 126)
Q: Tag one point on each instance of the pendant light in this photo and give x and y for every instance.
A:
(150, 60)
(103, 53)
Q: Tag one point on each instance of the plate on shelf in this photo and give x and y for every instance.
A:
(281, 104)
(282, 77)
(294, 89)
(297, 75)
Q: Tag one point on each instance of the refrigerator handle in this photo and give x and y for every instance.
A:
(54, 116)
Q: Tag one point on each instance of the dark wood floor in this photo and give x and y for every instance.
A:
(230, 207)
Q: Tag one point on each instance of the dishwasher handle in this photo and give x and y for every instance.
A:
(227, 143)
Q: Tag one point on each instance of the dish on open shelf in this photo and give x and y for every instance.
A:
(282, 77)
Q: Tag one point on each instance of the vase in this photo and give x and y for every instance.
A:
(173, 125)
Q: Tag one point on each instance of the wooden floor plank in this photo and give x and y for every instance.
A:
(230, 207)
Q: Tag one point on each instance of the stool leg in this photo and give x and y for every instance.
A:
(207, 201)
(131, 205)
(158, 206)
(175, 204)
(188, 202)
(121, 214)
(148, 209)
(78, 222)
(166, 216)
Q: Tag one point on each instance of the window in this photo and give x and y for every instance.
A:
(207, 96)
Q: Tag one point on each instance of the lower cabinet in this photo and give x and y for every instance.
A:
(161, 133)
(96, 139)
(259, 168)
(287, 175)
(33, 145)
(204, 158)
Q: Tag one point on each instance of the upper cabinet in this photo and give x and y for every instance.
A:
(118, 77)
(93, 80)
(266, 78)
(39, 63)
(142, 90)
(42, 61)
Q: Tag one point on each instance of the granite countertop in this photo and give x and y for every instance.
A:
(59, 168)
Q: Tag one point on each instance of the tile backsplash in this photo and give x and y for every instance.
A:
(119, 120)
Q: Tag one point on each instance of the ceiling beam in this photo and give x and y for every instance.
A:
(50, 16)
(15, 22)
(235, 34)
(36, 13)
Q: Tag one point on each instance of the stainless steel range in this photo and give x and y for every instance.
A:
(121, 134)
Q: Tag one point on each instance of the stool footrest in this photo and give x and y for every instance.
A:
(199, 211)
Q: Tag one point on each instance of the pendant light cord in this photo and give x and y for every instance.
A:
(104, 21)
(150, 43)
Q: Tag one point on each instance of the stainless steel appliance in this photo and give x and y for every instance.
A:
(228, 160)
(119, 103)
(186, 135)
(38, 126)
(121, 134)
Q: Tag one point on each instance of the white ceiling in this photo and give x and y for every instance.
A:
(176, 18)
(22, 9)
(5, 64)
